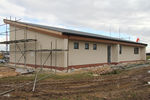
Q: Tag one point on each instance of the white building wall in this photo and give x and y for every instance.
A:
(82, 56)
(128, 54)
(43, 42)
(74, 56)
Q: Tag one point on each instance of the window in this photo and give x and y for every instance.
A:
(120, 49)
(94, 46)
(136, 50)
(87, 46)
(76, 45)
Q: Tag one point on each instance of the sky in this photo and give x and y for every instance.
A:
(107, 17)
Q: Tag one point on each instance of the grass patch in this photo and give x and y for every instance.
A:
(22, 77)
(16, 78)
(72, 76)
(53, 76)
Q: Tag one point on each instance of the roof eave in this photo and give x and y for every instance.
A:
(36, 29)
(115, 41)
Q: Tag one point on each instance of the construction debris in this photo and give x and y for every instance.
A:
(24, 70)
(102, 70)
(7, 71)
(115, 68)
(7, 95)
(6, 92)
(82, 85)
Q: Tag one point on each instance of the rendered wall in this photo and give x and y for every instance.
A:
(43, 42)
(128, 54)
(75, 57)
(81, 56)
(143, 53)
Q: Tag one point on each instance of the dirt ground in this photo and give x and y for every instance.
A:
(7, 72)
(125, 85)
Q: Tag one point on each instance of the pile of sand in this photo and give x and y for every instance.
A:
(6, 72)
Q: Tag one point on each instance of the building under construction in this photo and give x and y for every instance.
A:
(33, 45)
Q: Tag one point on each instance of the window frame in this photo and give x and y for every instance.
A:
(87, 45)
(136, 50)
(76, 45)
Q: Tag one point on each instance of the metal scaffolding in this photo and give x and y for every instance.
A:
(20, 45)
(24, 42)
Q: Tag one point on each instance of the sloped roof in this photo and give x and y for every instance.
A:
(79, 33)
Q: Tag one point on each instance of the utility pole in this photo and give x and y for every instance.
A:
(119, 32)
(6, 38)
(110, 30)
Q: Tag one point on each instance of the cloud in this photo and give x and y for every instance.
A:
(11, 9)
(130, 16)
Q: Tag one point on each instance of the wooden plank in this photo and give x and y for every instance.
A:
(36, 29)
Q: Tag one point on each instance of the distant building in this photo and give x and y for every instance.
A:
(4, 55)
(63, 49)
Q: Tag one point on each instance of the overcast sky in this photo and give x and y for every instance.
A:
(132, 17)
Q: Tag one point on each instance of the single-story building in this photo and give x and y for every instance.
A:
(57, 48)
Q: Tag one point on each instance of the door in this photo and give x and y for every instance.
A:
(109, 54)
